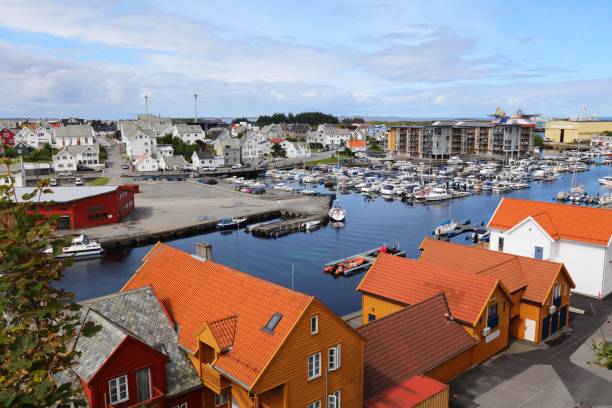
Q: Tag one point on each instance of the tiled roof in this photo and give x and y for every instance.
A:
(516, 272)
(196, 291)
(224, 331)
(560, 221)
(356, 143)
(409, 393)
(277, 140)
(409, 281)
(185, 128)
(400, 345)
(139, 314)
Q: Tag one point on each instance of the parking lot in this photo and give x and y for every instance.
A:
(557, 373)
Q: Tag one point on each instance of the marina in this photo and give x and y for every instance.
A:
(370, 221)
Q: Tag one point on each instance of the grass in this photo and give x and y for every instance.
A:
(329, 160)
(100, 181)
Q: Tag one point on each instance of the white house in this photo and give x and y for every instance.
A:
(146, 163)
(579, 237)
(202, 159)
(329, 136)
(138, 141)
(175, 163)
(293, 150)
(28, 137)
(188, 133)
(72, 135)
(253, 146)
(228, 148)
(69, 157)
(165, 150)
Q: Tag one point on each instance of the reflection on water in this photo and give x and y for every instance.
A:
(371, 221)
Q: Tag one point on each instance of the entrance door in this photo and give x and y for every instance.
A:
(554, 324)
(545, 324)
(530, 330)
(538, 252)
(63, 222)
(562, 135)
(563, 317)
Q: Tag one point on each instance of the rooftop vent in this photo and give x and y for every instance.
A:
(272, 323)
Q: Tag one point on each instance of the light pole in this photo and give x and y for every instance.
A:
(146, 98)
(195, 106)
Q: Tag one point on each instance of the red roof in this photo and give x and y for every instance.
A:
(409, 282)
(516, 272)
(399, 345)
(277, 140)
(196, 292)
(560, 221)
(356, 144)
(409, 393)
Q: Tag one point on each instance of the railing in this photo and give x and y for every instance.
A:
(157, 401)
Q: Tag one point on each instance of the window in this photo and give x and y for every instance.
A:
(316, 404)
(492, 317)
(273, 322)
(371, 317)
(500, 244)
(334, 400)
(314, 324)
(143, 384)
(118, 389)
(314, 366)
(334, 358)
(221, 399)
(538, 252)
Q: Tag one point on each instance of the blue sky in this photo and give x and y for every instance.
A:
(373, 58)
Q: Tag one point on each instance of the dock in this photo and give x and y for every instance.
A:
(461, 228)
(279, 228)
(369, 257)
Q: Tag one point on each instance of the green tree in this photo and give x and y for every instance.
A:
(607, 133)
(103, 154)
(603, 354)
(538, 141)
(350, 121)
(278, 151)
(238, 120)
(38, 321)
(44, 154)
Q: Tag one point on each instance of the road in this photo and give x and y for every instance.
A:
(113, 162)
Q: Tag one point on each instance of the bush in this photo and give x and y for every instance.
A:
(603, 354)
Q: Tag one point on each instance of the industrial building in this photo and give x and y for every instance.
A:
(573, 131)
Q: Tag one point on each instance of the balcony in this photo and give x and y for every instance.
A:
(213, 379)
(157, 401)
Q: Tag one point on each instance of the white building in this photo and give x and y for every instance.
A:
(329, 136)
(293, 150)
(188, 133)
(165, 150)
(253, 146)
(70, 157)
(45, 136)
(228, 148)
(138, 141)
(73, 135)
(202, 159)
(580, 237)
(174, 163)
(28, 137)
(146, 163)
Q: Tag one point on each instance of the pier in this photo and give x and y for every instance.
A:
(279, 228)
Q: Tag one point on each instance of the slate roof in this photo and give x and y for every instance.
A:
(399, 346)
(74, 131)
(139, 314)
(77, 149)
(408, 281)
(196, 292)
(516, 272)
(560, 221)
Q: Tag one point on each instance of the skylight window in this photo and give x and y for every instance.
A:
(273, 322)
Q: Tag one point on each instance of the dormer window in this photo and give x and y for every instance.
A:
(272, 323)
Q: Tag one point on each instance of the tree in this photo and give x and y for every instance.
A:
(607, 133)
(38, 321)
(238, 120)
(538, 141)
(603, 353)
(350, 121)
(278, 151)
(44, 154)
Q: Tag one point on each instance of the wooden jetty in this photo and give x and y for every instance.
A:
(275, 229)
(369, 257)
(461, 228)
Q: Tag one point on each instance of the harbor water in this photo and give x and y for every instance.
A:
(369, 224)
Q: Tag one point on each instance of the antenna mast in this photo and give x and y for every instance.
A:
(195, 106)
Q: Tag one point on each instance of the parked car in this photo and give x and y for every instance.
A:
(78, 181)
(209, 181)
(125, 166)
(53, 183)
(236, 166)
(80, 167)
(65, 174)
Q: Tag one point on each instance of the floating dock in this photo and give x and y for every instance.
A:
(275, 229)
(461, 228)
(369, 257)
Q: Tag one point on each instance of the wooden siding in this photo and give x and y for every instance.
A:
(378, 306)
(440, 400)
(192, 398)
(452, 368)
(290, 366)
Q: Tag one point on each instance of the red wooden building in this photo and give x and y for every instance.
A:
(87, 206)
(7, 137)
(135, 360)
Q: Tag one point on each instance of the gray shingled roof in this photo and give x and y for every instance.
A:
(185, 128)
(74, 131)
(174, 161)
(139, 314)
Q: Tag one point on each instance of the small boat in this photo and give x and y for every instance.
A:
(81, 246)
(311, 225)
(226, 222)
(337, 213)
(445, 228)
(605, 181)
(309, 192)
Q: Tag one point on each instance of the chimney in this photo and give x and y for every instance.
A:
(204, 251)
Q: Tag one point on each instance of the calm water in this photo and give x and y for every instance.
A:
(369, 224)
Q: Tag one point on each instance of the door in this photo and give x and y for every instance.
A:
(545, 323)
(63, 222)
(554, 323)
(538, 252)
(562, 135)
(530, 330)
(143, 384)
(563, 317)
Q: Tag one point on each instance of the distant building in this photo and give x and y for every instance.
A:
(146, 163)
(138, 141)
(253, 146)
(356, 145)
(7, 137)
(572, 131)
(189, 134)
(71, 135)
(165, 150)
(174, 163)
(27, 136)
(68, 158)
(228, 148)
(329, 136)
(205, 159)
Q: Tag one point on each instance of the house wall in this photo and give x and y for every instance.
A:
(378, 306)
(290, 366)
(452, 368)
(523, 240)
(131, 356)
(440, 400)
(192, 398)
(607, 271)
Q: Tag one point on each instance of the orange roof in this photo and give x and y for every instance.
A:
(196, 292)
(356, 143)
(224, 331)
(409, 281)
(560, 221)
(516, 272)
(409, 393)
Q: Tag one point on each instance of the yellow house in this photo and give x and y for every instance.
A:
(570, 131)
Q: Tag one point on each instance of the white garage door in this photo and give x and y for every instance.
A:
(530, 329)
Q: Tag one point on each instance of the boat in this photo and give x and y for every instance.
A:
(445, 228)
(433, 195)
(309, 192)
(480, 235)
(359, 263)
(605, 181)
(337, 213)
(227, 222)
(388, 189)
(311, 225)
(80, 246)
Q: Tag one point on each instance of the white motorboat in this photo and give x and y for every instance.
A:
(81, 246)
(311, 225)
(337, 213)
(605, 181)
(433, 195)
(388, 189)
(234, 222)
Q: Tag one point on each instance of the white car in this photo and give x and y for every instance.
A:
(78, 181)
(236, 166)
(53, 183)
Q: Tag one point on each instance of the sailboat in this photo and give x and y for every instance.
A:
(337, 213)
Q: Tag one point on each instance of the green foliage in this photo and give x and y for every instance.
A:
(538, 141)
(44, 154)
(38, 321)
(238, 120)
(103, 154)
(278, 151)
(180, 148)
(603, 354)
(374, 145)
(607, 133)
(348, 152)
(100, 181)
(311, 118)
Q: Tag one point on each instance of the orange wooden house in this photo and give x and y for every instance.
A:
(540, 289)
(480, 303)
(254, 343)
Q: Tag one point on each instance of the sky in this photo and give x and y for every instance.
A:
(408, 58)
